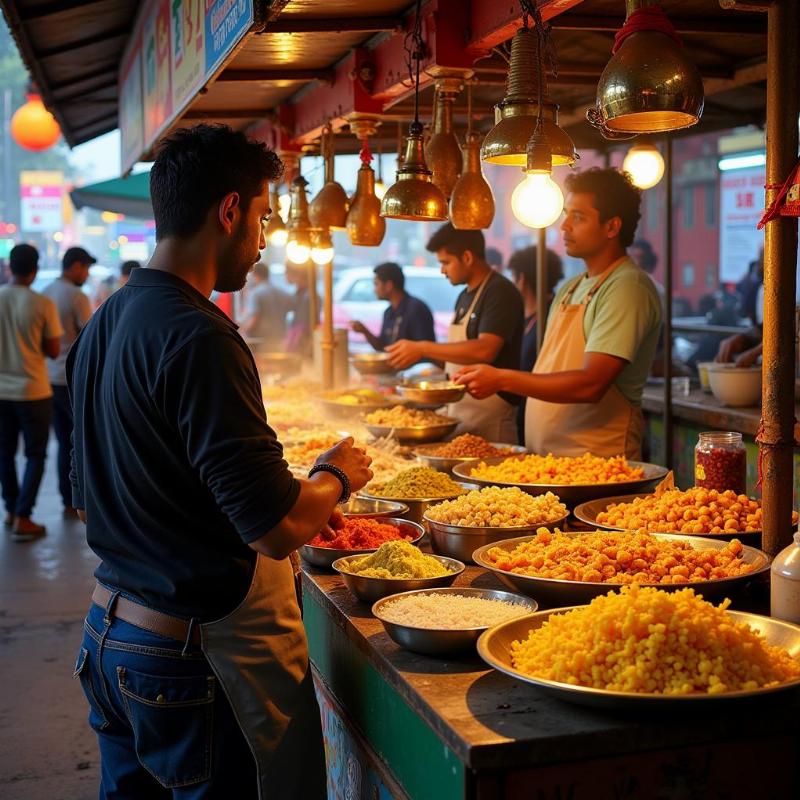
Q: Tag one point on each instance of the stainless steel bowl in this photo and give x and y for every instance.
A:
(366, 507)
(433, 393)
(372, 363)
(587, 513)
(336, 410)
(461, 541)
(325, 556)
(444, 641)
(418, 506)
(368, 590)
(494, 647)
(556, 592)
(446, 464)
(575, 493)
(415, 433)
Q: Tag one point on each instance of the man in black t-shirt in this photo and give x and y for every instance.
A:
(486, 329)
(194, 660)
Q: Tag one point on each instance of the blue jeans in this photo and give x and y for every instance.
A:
(31, 418)
(164, 725)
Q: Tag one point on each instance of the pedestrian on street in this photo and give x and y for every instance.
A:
(194, 659)
(74, 310)
(29, 330)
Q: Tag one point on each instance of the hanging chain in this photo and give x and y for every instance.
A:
(415, 50)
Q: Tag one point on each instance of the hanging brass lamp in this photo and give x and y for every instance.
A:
(329, 208)
(275, 232)
(365, 225)
(298, 246)
(649, 85)
(472, 201)
(516, 114)
(442, 151)
(414, 196)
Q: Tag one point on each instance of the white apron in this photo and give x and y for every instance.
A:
(259, 655)
(610, 427)
(493, 418)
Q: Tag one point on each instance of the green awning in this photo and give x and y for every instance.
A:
(129, 196)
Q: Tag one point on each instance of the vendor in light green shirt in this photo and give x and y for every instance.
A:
(586, 386)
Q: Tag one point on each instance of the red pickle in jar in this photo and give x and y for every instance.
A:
(721, 462)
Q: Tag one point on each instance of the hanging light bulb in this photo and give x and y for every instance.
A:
(645, 164)
(329, 208)
(414, 196)
(525, 101)
(380, 186)
(322, 247)
(649, 85)
(537, 201)
(365, 225)
(442, 151)
(298, 246)
(275, 232)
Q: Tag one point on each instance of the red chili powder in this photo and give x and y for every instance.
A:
(361, 533)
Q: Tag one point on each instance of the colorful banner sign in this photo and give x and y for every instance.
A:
(741, 205)
(176, 47)
(41, 201)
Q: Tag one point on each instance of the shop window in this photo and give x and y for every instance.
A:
(711, 276)
(711, 205)
(687, 277)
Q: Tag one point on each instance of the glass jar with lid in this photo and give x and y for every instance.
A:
(720, 461)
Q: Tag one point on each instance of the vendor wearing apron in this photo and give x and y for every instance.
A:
(486, 329)
(194, 660)
(585, 389)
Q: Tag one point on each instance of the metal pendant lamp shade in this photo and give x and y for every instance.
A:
(329, 208)
(649, 85)
(275, 232)
(414, 196)
(365, 225)
(472, 201)
(516, 114)
(298, 248)
(442, 151)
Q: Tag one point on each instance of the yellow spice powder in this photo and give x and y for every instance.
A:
(650, 641)
(397, 559)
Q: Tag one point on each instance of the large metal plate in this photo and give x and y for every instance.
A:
(415, 433)
(573, 493)
(552, 591)
(494, 647)
(446, 463)
(587, 513)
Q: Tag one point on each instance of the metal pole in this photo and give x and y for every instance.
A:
(328, 343)
(8, 213)
(541, 287)
(776, 437)
(668, 443)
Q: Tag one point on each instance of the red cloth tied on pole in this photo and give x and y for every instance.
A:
(650, 18)
(787, 202)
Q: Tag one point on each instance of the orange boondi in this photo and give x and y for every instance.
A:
(563, 471)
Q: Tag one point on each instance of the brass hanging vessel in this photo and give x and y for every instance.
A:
(414, 196)
(329, 208)
(442, 150)
(649, 85)
(365, 225)
(275, 231)
(516, 114)
(299, 224)
(472, 201)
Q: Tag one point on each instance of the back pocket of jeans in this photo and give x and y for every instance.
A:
(172, 720)
(83, 671)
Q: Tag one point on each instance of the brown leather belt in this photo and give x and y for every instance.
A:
(143, 617)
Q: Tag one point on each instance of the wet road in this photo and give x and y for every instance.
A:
(47, 750)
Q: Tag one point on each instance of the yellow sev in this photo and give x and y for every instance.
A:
(645, 640)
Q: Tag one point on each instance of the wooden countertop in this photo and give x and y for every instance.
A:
(492, 721)
(704, 409)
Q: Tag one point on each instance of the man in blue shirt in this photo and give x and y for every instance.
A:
(407, 317)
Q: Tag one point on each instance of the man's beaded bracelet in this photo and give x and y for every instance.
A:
(339, 473)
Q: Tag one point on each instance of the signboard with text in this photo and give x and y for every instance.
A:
(177, 45)
(741, 205)
(41, 201)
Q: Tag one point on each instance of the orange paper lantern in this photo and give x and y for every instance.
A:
(33, 126)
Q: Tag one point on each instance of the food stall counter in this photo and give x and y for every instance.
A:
(403, 725)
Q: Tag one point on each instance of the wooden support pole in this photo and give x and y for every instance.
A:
(776, 438)
(328, 342)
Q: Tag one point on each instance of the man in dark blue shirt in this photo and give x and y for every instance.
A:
(407, 317)
(194, 660)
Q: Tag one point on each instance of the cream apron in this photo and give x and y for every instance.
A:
(493, 418)
(610, 427)
(260, 657)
